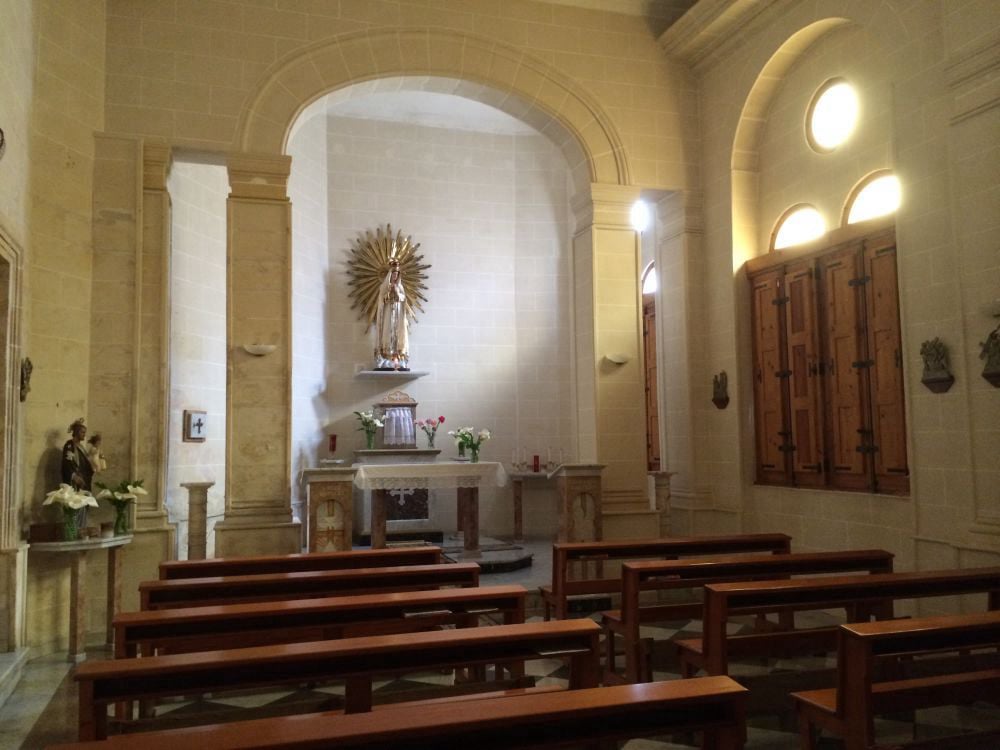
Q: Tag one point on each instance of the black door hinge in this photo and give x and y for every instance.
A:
(859, 281)
(863, 363)
(779, 300)
(782, 373)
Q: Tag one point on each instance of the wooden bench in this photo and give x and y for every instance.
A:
(849, 709)
(713, 705)
(868, 596)
(246, 566)
(566, 555)
(195, 592)
(660, 575)
(356, 660)
(264, 623)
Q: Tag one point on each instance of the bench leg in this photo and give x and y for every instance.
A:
(806, 734)
(357, 695)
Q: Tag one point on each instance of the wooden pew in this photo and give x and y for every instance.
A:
(566, 555)
(870, 595)
(660, 575)
(246, 566)
(356, 660)
(196, 592)
(714, 705)
(263, 623)
(849, 709)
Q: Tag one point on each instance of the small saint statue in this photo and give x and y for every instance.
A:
(392, 341)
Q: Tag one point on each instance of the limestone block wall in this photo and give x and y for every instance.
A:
(183, 70)
(922, 69)
(17, 51)
(67, 108)
(490, 212)
(307, 189)
(198, 338)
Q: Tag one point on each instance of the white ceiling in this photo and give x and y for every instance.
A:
(430, 109)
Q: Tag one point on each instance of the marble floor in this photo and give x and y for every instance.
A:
(42, 709)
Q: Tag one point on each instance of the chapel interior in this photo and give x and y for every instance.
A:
(634, 260)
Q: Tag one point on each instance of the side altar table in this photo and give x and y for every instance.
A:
(465, 478)
(77, 585)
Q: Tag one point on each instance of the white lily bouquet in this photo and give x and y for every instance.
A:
(72, 502)
(125, 492)
(369, 423)
(466, 438)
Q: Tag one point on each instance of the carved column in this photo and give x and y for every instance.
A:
(661, 493)
(197, 519)
(580, 502)
(679, 317)
(607, 316)
(258, 431)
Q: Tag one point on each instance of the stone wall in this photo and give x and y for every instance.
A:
(307, 189)
(490, 211)
(198, 338)
(925, 114)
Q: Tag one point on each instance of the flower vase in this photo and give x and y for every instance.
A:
(121, 519)
(70, 531)
(370, 439)
(461, 450)
(474, 454)
(430, 441)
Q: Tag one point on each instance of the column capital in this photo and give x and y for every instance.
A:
(259, 175)
(680, 212)
(607, 205)
(156, 161)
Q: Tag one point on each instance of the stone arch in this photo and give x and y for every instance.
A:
(477, 67)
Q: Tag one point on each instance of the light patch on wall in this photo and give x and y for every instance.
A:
(832, 115)
(798, 226)
(880, 197)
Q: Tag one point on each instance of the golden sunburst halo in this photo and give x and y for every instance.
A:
(369, 263)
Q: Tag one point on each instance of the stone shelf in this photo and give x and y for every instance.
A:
(389, 374)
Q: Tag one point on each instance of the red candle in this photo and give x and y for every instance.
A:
(333, 443)
(534, 463)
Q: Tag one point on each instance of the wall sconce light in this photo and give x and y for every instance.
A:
(259, 350)
(617, 359)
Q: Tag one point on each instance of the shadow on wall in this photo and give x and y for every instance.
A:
(47, 478)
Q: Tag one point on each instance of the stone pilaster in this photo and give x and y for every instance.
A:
(610, 396)
(661, 494)
(258, 431)
(197, 542)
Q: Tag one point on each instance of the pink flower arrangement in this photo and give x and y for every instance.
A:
(430, 428)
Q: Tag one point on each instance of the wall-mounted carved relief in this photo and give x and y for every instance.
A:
(937, 373)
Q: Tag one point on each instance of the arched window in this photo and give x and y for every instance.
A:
(879, 194)
(832, 115)
(650, 281)
(800, 223)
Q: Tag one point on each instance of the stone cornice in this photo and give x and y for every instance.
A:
(698, 35)
(259, 175)
(156, 161)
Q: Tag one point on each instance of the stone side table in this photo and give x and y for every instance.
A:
(77, 550)
(579, 483)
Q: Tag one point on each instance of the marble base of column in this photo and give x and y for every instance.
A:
(78, 606)
(468, 501)
(378, 519)
(114, 590)
(518, 487)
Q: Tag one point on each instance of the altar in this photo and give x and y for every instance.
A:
(464, 478)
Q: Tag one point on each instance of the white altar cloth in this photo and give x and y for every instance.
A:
(442, 475)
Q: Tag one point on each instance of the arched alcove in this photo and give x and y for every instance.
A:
(481, 69)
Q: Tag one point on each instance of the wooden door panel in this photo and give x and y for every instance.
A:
(804, 385)
(769, 422)
(846, 375)
(652, 411)
(885, 348)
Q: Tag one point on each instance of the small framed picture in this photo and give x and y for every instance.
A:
(195, 426)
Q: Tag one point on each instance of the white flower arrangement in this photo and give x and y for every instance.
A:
(467, 436)
(126, 491)
(369, 422)
(70, 498)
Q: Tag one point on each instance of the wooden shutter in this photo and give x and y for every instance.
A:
(768, 381)
(845, 368)
(888, 418)
(804, 384)
(649, 354)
